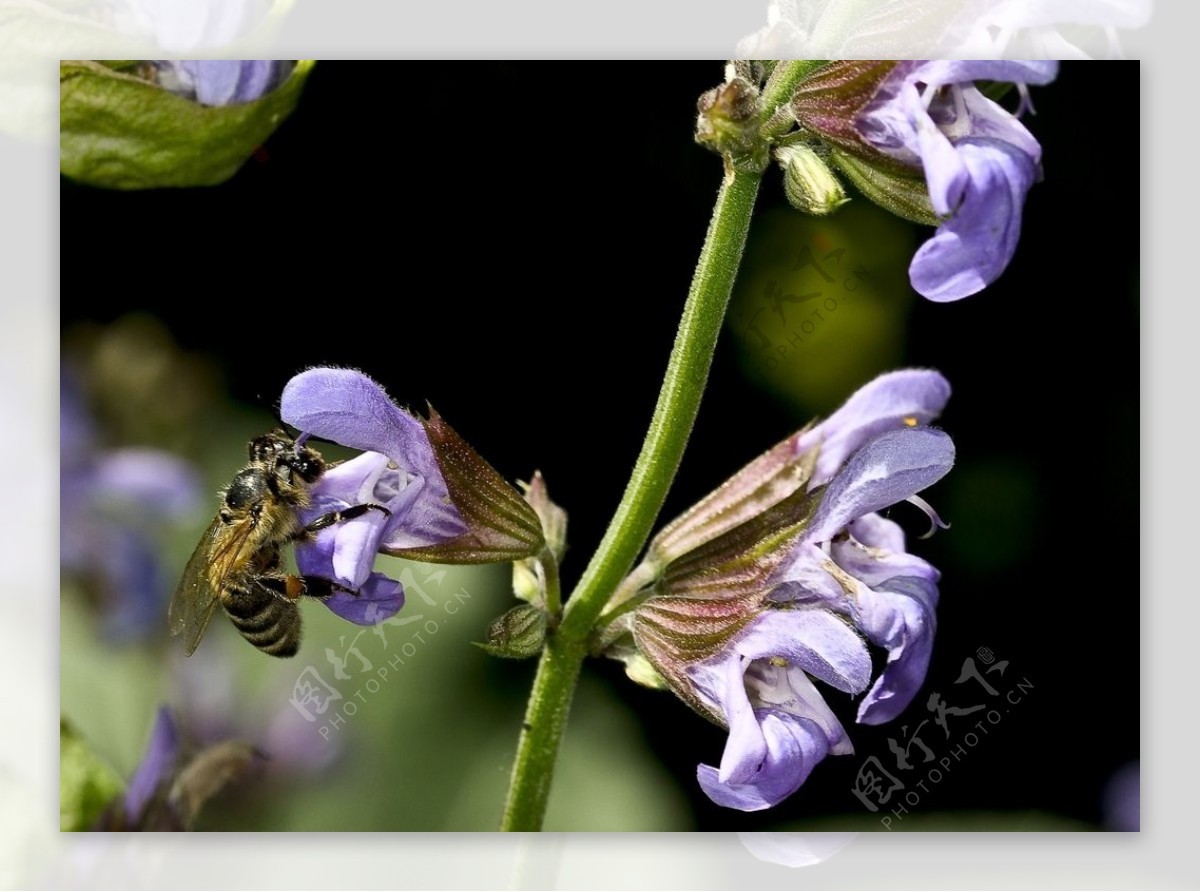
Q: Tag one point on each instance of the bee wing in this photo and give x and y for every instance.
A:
(198, 593)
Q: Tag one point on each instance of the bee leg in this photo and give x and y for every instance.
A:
(322, 588)
(328, 520)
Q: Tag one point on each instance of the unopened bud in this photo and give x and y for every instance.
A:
(809, 183)
(518, 634)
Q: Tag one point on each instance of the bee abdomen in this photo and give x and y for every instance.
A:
(265, 620)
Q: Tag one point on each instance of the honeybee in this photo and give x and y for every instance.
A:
(239, 561)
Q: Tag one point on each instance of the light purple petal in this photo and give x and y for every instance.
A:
(938, 73)
(805, 578)
(147, 480)
(794, 746)
(157, 765)
(880, 405)
(901, 618)
(945, 172)
(225, 82)
(1123, 800)
(874, 564)
(789, 689)
(346, 551)
(746, 747)
(813, 639)
(347, 407)
(970, 251)
(887, 470)
(990, 120)
(379, 598)
(876, 531)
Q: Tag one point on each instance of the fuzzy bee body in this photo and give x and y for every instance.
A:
(238, 563)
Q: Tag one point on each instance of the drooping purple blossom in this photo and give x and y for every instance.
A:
(157, 767)
(169, 786)
(845, 575)
(222, 81)
(978, 160)
(397, 470)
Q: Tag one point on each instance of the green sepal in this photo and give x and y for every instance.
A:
(517, 635)
(827, 101)
(904, 193)
(705, 598)
(501, 524)
(87, 784)
(673, 633)
(122, 132)
(769, 479)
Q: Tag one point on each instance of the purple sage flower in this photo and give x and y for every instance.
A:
(397, 470)
(222, 81)
(978, 160)
(835, 572)
(113, 504)
(156, 769)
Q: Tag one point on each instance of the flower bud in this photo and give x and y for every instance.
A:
(529, 574)
(516, 635)
(809, 183)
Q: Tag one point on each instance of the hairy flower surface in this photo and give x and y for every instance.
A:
(397, 470)
(743, 620)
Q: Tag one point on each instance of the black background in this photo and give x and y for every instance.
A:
(513, 243)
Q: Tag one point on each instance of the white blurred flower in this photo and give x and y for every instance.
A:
(34, 35)
(944, 29)
(179, 26)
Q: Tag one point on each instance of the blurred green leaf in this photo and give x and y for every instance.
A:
(87, 784)
(123, 132)
(821, 303)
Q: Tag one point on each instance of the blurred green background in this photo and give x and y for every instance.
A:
(524, 276)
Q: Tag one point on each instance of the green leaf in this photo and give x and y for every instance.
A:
(87, 784)
(122, 132)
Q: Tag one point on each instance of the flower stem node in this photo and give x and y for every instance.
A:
(729, 122)
(518, 634)
(810, 185)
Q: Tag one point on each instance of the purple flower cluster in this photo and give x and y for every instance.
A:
(845, 576)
